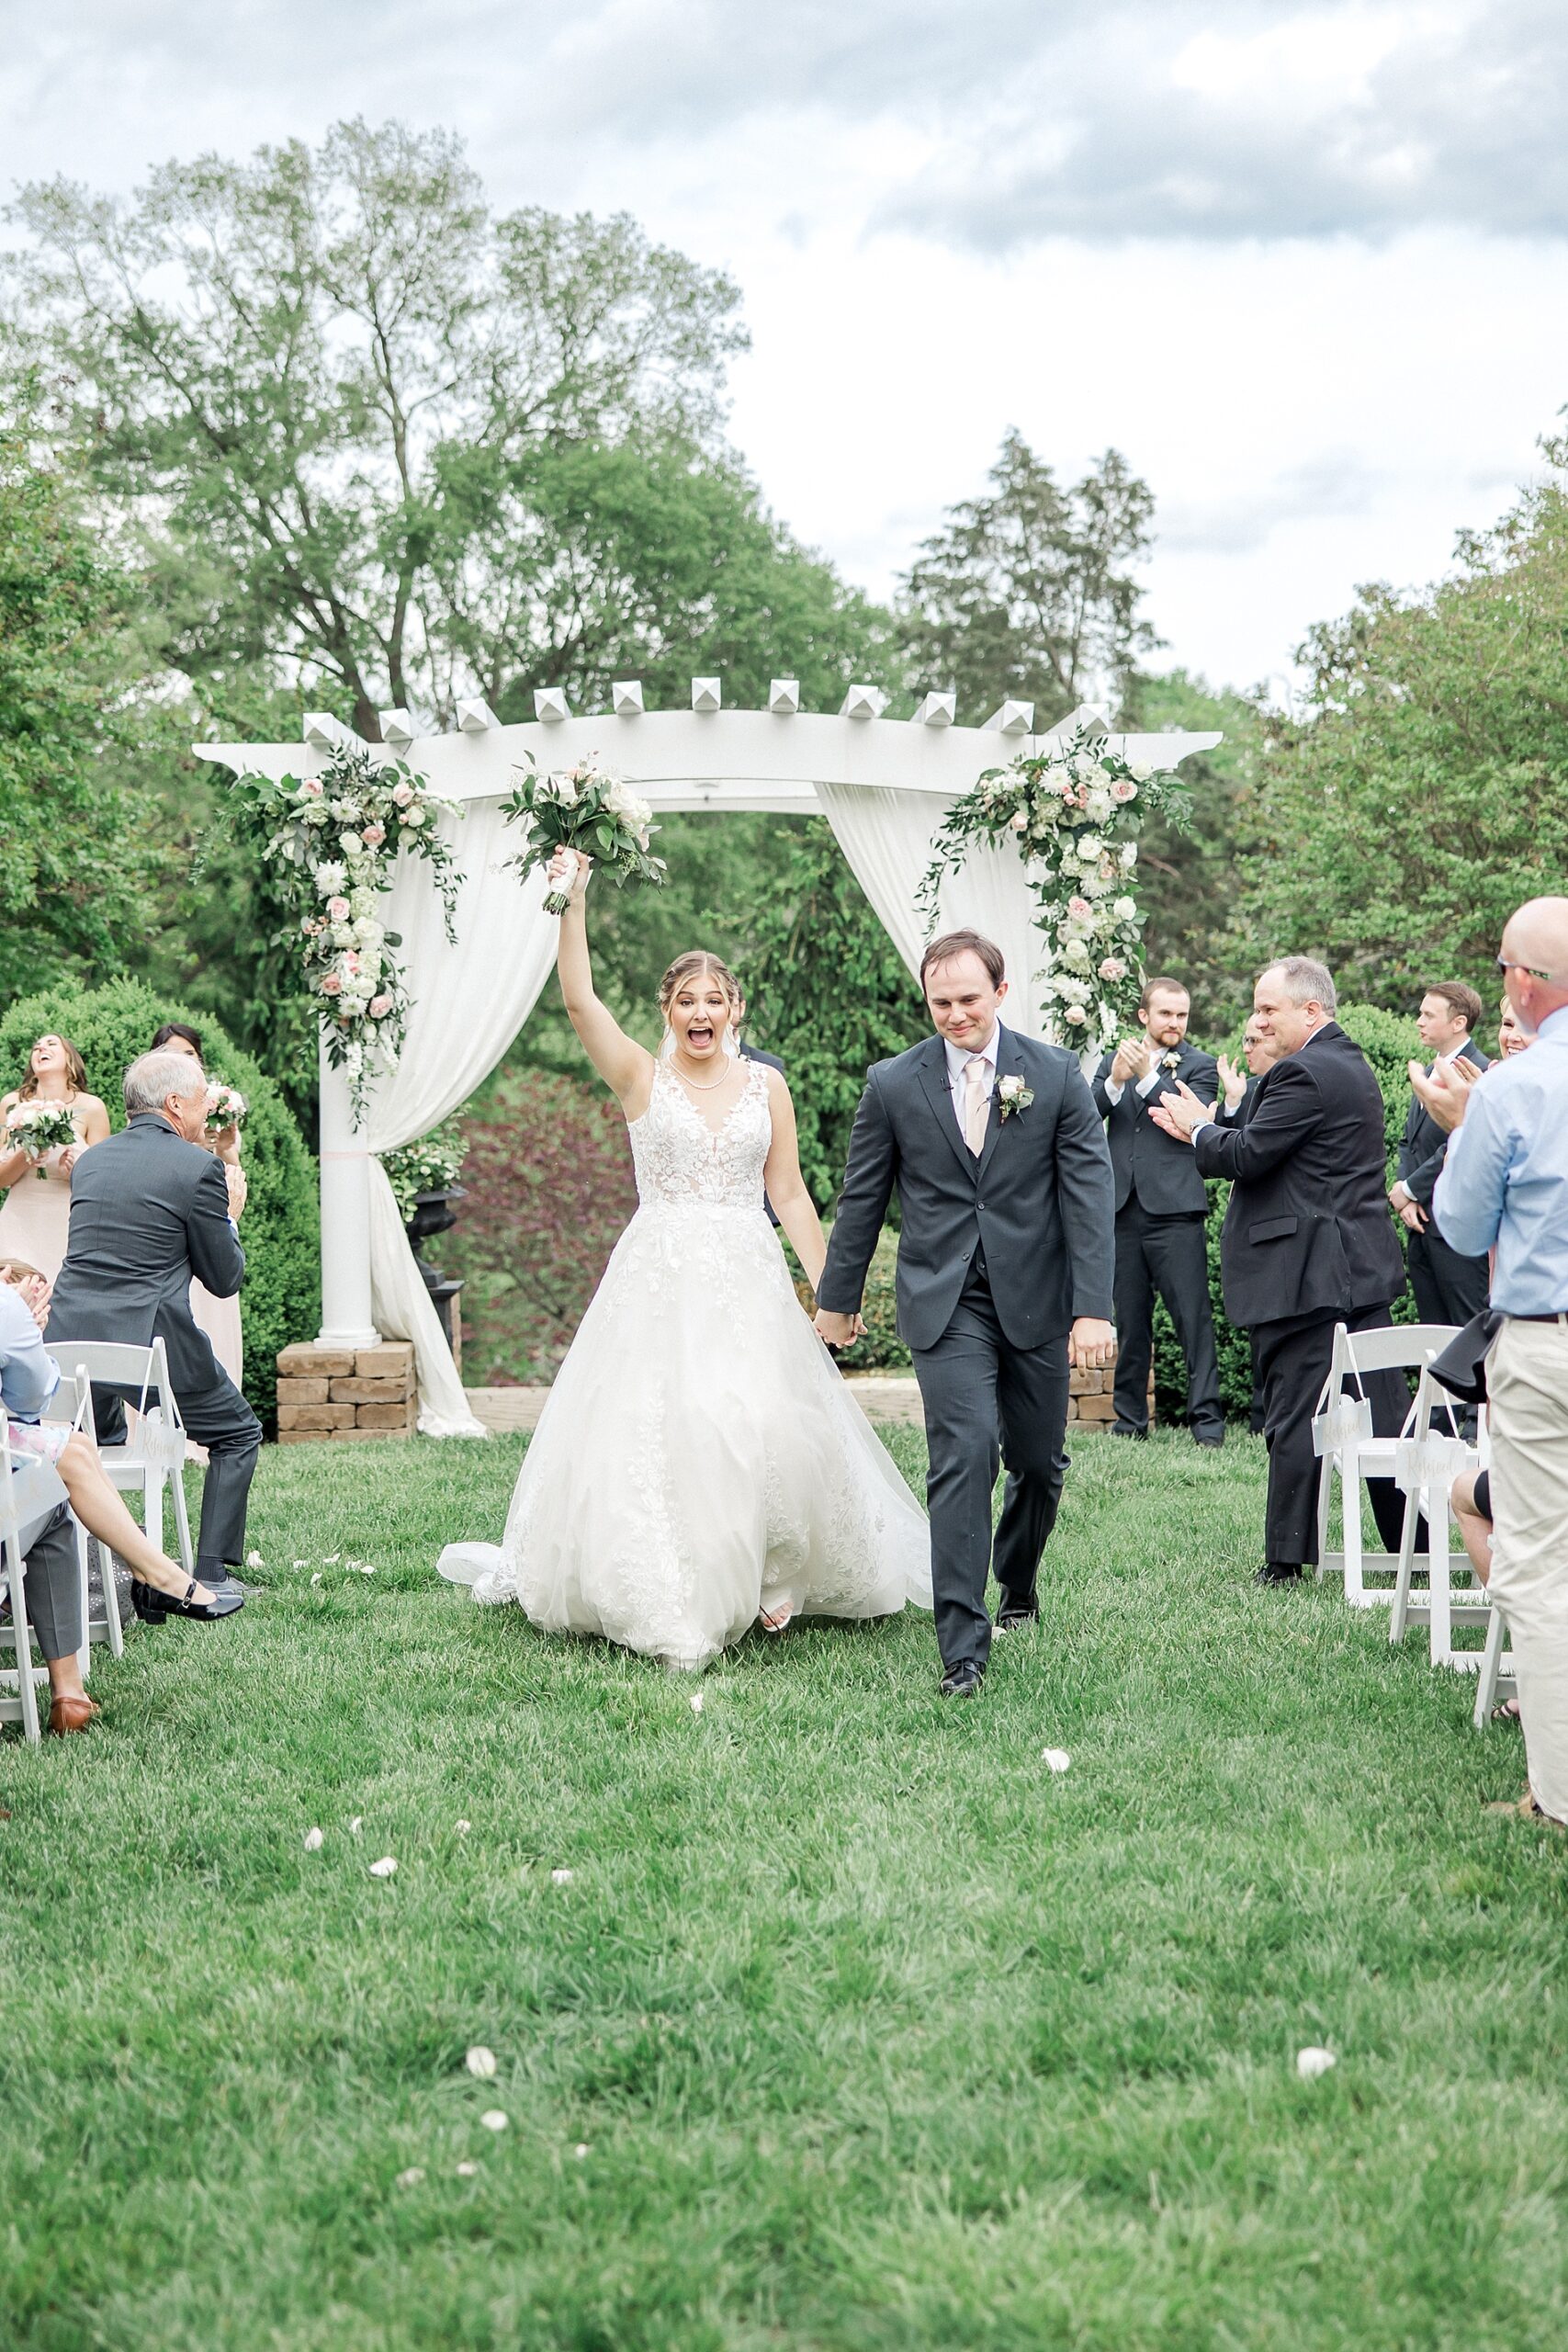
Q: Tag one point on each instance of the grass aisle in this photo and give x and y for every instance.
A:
(854, 2027)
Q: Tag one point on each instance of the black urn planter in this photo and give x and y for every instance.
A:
(435, 1212)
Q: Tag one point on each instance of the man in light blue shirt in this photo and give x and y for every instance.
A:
(1504, 1186)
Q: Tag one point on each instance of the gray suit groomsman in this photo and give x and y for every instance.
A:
(1004, 1276)
(148, 1209)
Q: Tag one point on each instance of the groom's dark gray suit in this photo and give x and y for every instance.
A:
(999, 1255)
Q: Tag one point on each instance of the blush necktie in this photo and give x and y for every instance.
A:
(976, 1103)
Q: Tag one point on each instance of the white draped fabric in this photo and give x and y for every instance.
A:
(470, 1002)
(887, 839)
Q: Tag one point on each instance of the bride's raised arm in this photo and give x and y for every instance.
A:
(626, 1066)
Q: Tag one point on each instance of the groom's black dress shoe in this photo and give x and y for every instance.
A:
(1012, 1619)
(1125, 1428)
(1277, 1572)
(962, 1681)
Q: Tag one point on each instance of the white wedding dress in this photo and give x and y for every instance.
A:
(699, 1459)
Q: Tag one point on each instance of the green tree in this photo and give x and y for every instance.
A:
(74, 860)
(1028, 591)
(1424, 798)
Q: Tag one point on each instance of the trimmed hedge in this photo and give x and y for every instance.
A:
(1388, 1040)
(281, 1229)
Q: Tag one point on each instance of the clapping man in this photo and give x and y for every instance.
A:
(1307, 1241)
(1449, 1287)
(1161, 1210)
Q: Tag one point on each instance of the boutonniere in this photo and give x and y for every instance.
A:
(1013, 1095)
(1170, 1062)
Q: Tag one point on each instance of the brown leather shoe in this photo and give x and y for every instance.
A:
(71, 1714)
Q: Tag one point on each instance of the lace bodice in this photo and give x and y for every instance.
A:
(680, 1161)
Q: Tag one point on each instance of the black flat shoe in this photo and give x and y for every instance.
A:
(963, 1682)
(1013, 1621)
(152, 1606)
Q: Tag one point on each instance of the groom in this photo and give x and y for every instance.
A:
(1004, 1276)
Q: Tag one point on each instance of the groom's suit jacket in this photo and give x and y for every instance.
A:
(1037, 1202)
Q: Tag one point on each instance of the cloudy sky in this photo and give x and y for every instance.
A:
(1303, 265)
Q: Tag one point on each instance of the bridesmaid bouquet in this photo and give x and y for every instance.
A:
(589, 809)
(226, 1107)
(39, 1127)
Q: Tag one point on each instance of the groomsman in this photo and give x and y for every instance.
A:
(1449, 1287)
(1161, 1209)
(1307, 1240)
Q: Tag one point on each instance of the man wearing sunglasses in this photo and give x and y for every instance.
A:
(1504, 1186)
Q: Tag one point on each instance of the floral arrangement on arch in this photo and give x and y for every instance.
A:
(1073, 812)
(335, 841)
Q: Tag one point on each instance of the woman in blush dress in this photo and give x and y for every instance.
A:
(700, 1467)
(219, 1318)
(36, 1216)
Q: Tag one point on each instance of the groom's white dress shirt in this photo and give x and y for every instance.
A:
(959, 1058)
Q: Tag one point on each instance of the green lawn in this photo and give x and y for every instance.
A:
(854, 2027)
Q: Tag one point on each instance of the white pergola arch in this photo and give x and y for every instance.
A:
(884, 784)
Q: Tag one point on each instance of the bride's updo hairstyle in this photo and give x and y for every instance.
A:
(695, 961)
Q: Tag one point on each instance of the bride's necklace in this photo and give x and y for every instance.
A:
(703, 1085)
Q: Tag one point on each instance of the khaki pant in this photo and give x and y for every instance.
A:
(1527, 1379)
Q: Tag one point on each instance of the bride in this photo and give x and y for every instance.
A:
(700, 1466)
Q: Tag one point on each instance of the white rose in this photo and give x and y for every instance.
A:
(1129, 856)
(562, 789)
(1124, 909)
(1141, 771)
(413, 816)
(1075, 953)
(351, 846)
(1090, 845)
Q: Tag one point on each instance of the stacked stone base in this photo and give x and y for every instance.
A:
(327, 1395)
(1090, 1398)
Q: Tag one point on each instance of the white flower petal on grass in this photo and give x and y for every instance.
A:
(412, 2178)
(332, 1559)
(385, 1868)
(560, 1878)
(581, 2150)
(314, 1841)
(696, 1703)
(356, 1825)
(463, 1828)
(466, 2170)
(304, 1563)
(1057, 1758)
(480, 2062)
(316, 1579)
(1310, 2063)
(254, 1560)
(493, 2119)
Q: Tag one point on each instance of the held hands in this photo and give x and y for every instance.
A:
(568, 870)
(1176, 1115)
(1091, 1344)
(1446, 1093)
(1133, 1057)
(1233, 1078)
(837, 1330)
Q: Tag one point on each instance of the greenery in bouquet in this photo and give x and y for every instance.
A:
(1073, 812)
(226, 1107)
(336, 838)
(587, 808)
(431, 1163)
(40, 1126)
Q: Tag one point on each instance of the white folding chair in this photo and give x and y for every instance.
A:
(1496, 1667)
(1342, 1435)
(71, 1404)
(153, 1455)
(30, 1494)
(1428, 1463)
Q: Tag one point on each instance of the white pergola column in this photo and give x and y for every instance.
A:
(347, 1317)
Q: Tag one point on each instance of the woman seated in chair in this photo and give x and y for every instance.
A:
(161, 1587)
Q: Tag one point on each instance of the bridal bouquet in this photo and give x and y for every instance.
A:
(226, 1107)
(38, 1127)
(1063, 808)
(589, 809)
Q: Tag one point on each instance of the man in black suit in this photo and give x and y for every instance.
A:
(148, 1209)
(1307, 1241)
(1240, 1093)
(1004, 1276)
(1448, 1288)
(1161, 1209)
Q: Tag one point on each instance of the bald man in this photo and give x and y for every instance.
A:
(1504, 1186)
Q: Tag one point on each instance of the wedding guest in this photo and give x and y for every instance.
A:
(1511, 1038)
(165, 1588)
(1161, 1210)
(1240, 1092)
(219, 1318)
(1307, 1243)
(151, 1209)
(1504, 1184)
(37, 1209)
(1448, 1288)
